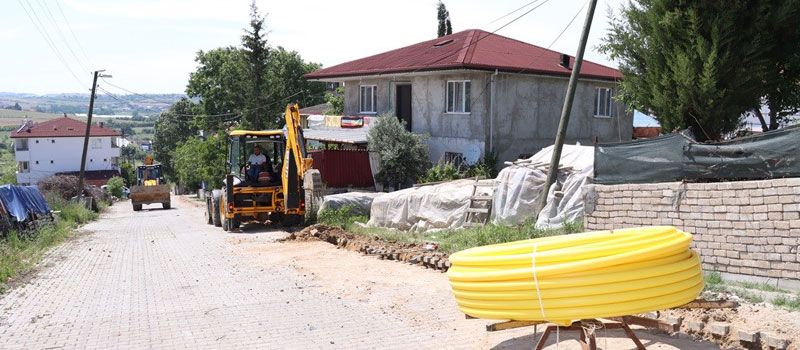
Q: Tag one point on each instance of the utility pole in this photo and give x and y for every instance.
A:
(567, 109)
(88, 128)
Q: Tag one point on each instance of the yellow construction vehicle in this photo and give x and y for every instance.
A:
(268, 178)
(150, 187)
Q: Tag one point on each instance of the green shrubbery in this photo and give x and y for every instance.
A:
(447, 171)
(18, 252)
(115, 186)
(403, 154)
(343, 217)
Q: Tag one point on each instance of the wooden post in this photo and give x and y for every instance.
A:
(567, 109)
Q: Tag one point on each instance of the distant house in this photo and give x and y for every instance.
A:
(145, 145)
(474, 92)
(55, 146)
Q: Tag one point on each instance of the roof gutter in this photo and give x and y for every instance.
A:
(345, 78)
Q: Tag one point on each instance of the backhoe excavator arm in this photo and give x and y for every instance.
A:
(295, 162)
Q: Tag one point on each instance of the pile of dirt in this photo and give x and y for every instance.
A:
(413, 253)
(763, 318)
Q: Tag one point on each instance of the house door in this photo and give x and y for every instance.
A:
(403, 104)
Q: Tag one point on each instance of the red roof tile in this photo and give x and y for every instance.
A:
(62, 127)
(469, 49)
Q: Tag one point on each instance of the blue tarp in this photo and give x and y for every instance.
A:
(21, 201)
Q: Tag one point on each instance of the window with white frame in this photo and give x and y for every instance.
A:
(23, 167)
(97, 143)
(368, 99)
(21, 144)
(603, 102)
(458, 100)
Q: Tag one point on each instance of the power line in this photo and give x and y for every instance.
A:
(568, 25)
(543, 52)
(512, 12)
(49, 15)
(47, 39)
(78, 42)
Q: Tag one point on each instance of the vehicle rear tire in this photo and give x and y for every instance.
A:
(165, 205)
(137, 207)
(226, 223)
(209, 212)
(217, 220)
(234, 224)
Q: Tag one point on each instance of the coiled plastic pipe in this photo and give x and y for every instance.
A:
(578, 276)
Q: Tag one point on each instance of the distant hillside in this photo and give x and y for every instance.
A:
(147, 104)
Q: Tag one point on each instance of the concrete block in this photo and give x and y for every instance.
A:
(695, 326)
(652, 315)
(776, 342)
(720, 329)
(748, 337)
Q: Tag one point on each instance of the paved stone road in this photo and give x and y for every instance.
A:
(164, 279)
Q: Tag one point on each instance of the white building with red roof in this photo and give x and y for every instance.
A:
(55, 147)
(475, 92)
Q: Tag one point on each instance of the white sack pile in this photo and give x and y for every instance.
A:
(361, 200)
(520, 185)
(430, 207)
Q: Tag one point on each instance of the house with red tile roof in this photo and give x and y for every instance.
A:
(475, 92)
(55, 147)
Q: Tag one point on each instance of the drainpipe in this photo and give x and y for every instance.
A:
(491, 111)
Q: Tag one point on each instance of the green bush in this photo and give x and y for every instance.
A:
(342, 217)
(115, 186)
(68, 211)
(441, 172)
(403, 154)
(447, 171)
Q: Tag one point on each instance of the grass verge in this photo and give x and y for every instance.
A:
(449, 241)
(19, 252)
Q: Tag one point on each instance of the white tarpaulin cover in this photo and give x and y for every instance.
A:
(516, 196)
(424, 208)
(520, 186)
(361, 200)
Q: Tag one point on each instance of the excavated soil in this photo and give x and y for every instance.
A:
(413, 253)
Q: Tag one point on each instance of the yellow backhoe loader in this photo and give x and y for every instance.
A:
(282, 187)
(150, 186)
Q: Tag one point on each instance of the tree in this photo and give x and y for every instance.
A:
(115, 186)
(777, 28)
(336, 101)
(403, 154)
(16, 107)
(285, 77)
(220, 83)
(196, 161)
(172, 128)
(128, 173)
(445, 27)
(697, 65)
(257, 52)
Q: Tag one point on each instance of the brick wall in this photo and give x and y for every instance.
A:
(746, 230)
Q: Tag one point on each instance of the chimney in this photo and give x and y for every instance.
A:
(101, 124)
(564, 61)
(65, 115)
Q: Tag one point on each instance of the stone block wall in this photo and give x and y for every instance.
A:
(746, 230)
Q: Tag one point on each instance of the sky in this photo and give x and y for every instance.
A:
(148, 46)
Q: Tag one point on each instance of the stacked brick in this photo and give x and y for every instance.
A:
(743, 228)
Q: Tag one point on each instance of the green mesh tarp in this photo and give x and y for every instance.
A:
(677, 157)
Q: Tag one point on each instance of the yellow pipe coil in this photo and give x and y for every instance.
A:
(577, 276)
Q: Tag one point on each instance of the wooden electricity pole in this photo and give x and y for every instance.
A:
(567, 109)
(88, 129)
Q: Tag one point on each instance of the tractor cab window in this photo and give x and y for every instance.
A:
(242, 154)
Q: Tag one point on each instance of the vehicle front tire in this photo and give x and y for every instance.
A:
(137, 207)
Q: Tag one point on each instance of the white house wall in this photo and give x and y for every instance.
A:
(65, 154)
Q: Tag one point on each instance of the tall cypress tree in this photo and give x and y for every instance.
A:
(257, 51)
(445, 27)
